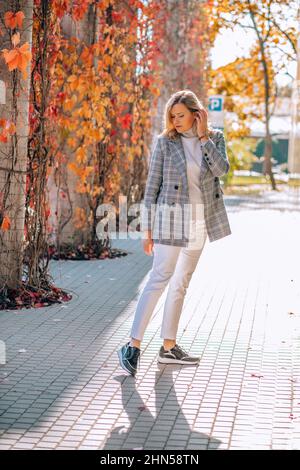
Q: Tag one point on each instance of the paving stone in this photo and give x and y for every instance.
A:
(68, 392)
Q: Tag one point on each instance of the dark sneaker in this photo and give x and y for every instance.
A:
(129, 357)
(176, 355)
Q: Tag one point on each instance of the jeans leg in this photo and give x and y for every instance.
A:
(164, 262)
(186, 264)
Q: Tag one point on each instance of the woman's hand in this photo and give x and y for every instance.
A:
(201, 119)
(148, 244)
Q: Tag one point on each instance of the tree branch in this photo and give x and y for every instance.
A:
(284, 33)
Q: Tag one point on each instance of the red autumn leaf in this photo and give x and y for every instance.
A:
(66, 297)
(15, 39)
(145, 81)
(10, 127)
(117, 17)
(79, 9)
(143, 408)
(126, 121)
(5, 223)
(111, 148)
(13, 20)
(61, 96)
(292, 416)
(33, 294)
(52, 111)
(17, 58)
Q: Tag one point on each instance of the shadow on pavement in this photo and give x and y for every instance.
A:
(168, 429)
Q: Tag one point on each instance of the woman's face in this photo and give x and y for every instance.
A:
(181, 117)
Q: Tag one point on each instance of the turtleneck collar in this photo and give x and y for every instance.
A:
(189, 133)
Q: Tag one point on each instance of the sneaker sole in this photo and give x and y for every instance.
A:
(162, 360)
(123, 365)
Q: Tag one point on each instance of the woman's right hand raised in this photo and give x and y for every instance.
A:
(148, 244)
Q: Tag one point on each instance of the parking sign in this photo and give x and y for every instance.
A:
(216, 110)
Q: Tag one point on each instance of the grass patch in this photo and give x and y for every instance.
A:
(238, 180)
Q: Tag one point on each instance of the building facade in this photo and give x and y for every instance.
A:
(294, 143)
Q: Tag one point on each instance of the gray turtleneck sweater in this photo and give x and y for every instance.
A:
(193, 153)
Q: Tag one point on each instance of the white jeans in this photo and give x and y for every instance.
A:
(170, 263)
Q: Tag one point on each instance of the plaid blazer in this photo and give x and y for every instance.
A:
(165, 208)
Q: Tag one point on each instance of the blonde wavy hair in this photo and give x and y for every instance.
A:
(190, 100)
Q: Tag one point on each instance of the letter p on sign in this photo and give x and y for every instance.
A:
(215, 103)
(216, 110)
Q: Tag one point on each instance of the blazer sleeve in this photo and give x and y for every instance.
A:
(216, 156)
(153, 184)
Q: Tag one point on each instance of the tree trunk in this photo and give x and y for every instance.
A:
(267, 166)
(13, 156)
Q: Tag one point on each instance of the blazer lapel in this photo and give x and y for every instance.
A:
(180, 160)
(178, 155)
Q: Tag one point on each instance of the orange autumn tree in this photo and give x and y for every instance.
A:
(242, 81)
(104, 92)
(15, 39)
(273, 25)
(41, 155)
(28, 45)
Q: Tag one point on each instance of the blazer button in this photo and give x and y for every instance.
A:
(205, 154)
(217, 195)
(209, 163)
(176, 187)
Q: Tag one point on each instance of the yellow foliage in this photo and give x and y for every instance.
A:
(138, 150)
(81, 188)
(107, 60)
(69, 103)
(96, 192)
(81, 155)
(79, 218)
(97, 83)
(72, 142)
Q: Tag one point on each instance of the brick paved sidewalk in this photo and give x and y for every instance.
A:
(62, 388)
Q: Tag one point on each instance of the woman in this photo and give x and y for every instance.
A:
(183, 204)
